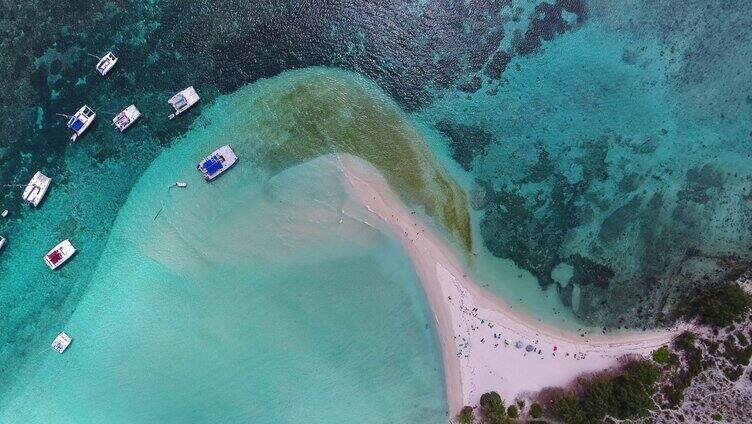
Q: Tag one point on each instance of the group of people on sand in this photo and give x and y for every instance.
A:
(526, 348)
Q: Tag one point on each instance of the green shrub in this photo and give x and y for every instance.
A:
(466, 416)
(634, 389)
(535, 410)
(492, 408)
(568, 409)
(742, 339)
(661, 355)
(626, 396)
(598, 399)
(512, 411)
(685, 343)
(720, 306)
(716, 417)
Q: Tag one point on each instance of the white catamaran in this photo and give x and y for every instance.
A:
(36, 189)
(126, 118)
(216, 163)
(59, 254)
(106, 63)
(183, 101)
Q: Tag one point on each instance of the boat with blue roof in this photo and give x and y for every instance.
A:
(216, 163)
(80, 121)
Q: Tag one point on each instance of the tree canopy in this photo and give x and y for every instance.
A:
(720, 306)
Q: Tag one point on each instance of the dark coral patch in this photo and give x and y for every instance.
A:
(531, 232)
(472, 85)
(466, 141)
(700, 183)
(498, 64)
(587, 271)
(616, 223)
(480, 52)
(548, 21)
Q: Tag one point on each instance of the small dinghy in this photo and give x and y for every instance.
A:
(183, 101)
(2, 242)
(59, 254)
(216, 163)
(36, 189)
(80, 121)
(180, 184)
(126, 118)
(106, 63)
(4, 213)
(61, 342)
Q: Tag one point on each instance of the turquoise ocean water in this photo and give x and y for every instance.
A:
(241, 300)
(604, 149)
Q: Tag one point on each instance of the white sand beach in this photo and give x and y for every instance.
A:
(485, 344)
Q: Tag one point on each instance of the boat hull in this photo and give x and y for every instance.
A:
(61, 342)
(126, 118)
(80, 121)
(217, 163)
(36, 189)
(59, 254)
(183, 101)
(106, 63)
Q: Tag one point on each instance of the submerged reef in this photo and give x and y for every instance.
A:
(617, 143)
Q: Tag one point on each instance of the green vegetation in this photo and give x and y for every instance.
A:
(492, 408)
(720, 306)
(742, 339)
(662, 355)
(716, 417)
(569, 410)
(685, 343)
(733, 373)
(466, 416)
(535, 410)
(512, 411)
(625, 396)
(735, 354)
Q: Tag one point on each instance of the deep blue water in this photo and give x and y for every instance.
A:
(610, 138)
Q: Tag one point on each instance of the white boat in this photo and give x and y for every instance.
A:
(106, 63)
(61, 342)
(216, 163)
(126, 118)
(183, 101)
(4, 213)
(2, 242)
(80, 121)
(36, 189)
(181, 184)
(59, 254)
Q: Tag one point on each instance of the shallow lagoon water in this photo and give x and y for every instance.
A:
(242, 300)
